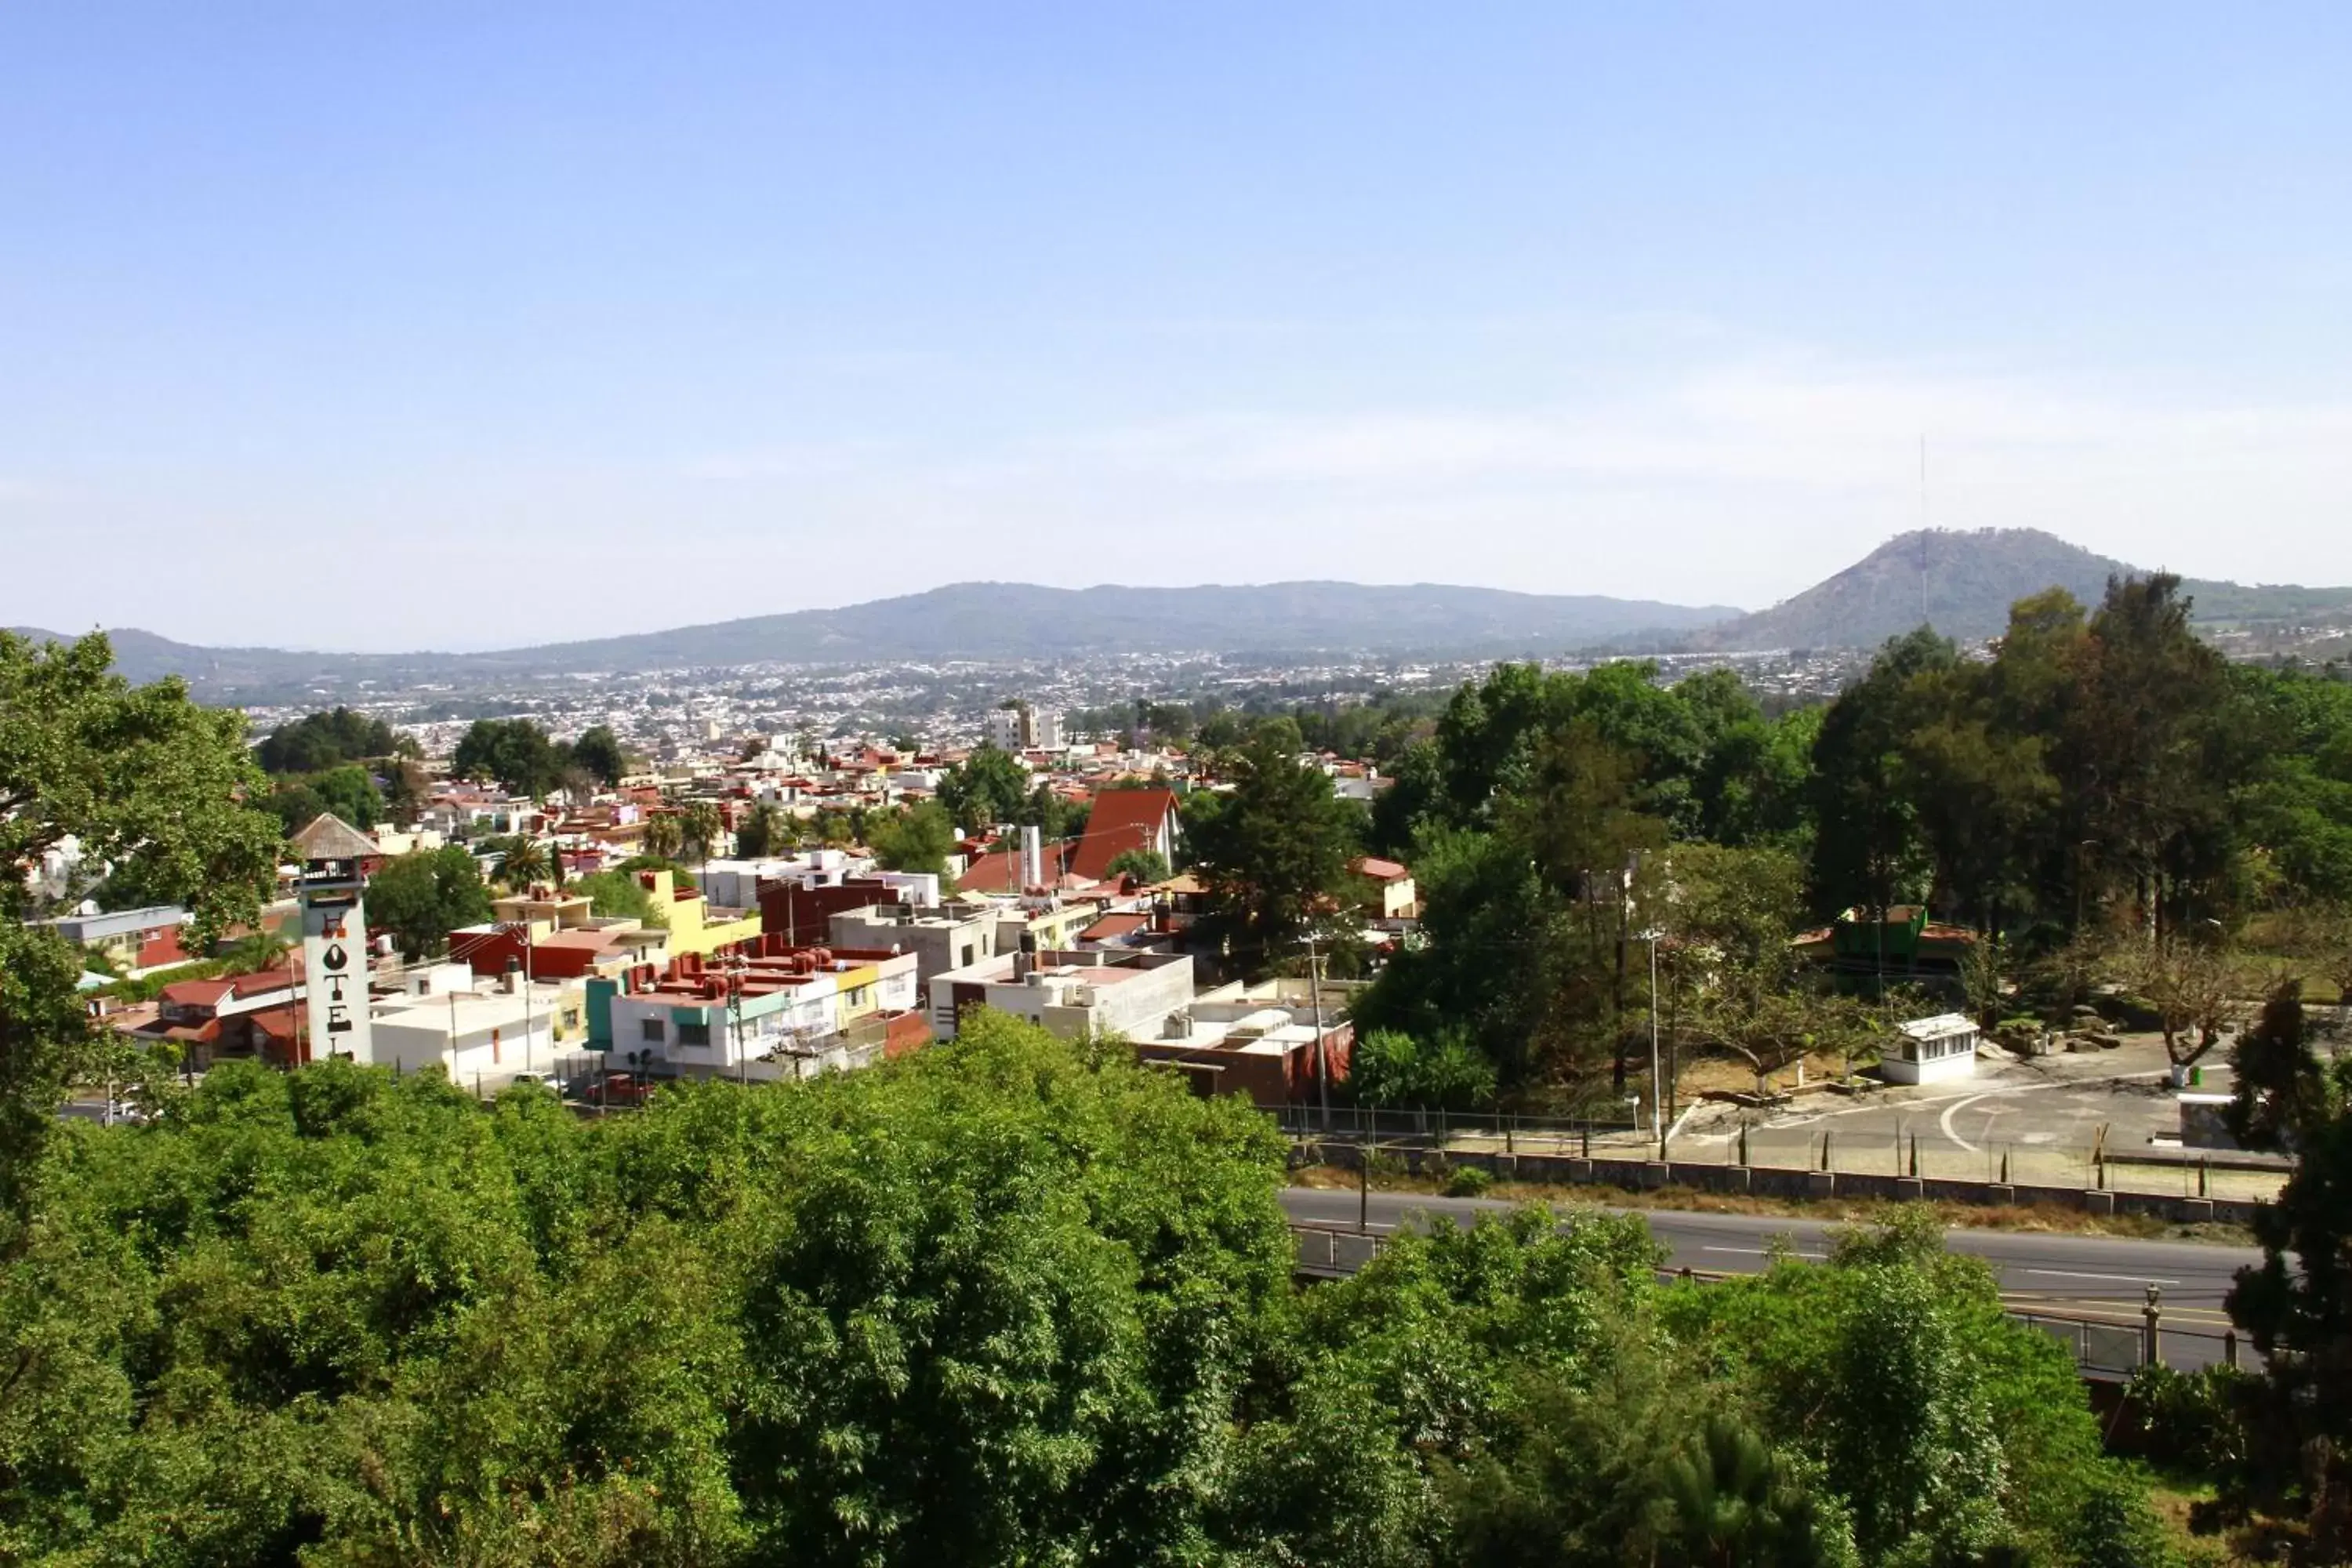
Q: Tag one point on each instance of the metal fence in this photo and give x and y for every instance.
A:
(2105, 1348)
(1919, 1150)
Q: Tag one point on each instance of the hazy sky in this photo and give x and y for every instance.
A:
(469, 325)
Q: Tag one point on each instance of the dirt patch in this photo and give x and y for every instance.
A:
(1730, 1075)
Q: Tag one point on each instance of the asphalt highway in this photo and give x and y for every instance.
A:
(2075, 1276)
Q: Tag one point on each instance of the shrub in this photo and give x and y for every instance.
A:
(1469, 1181)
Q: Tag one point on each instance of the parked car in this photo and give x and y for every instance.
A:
(622, 1088)
(545, 1080)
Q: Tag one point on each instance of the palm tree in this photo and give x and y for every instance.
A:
(762, 832)
(702, 825)
(664, 836)
(526, 862)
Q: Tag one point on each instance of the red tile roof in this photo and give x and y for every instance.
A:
(1121, 820)
(261, 980)
(196, 992)
(277, 1022)
(1112, 928)
(1381, 870)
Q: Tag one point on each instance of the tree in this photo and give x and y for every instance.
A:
(422, 898)
(2190, 985)
(1391, 1069)
(761, 832)
(986, 788)
(2146, 754)
(680, 876)
(1867, 850)
(1738, 1502)
(1146, 865)
(617, 895)
(351, 793)
(145, 784)
(918, 839)
(526, 862)
(599, 751)
(665, 836)
(2295, 1471)
(318, 742)
(1273, 856)
(700, 828)
(515, 752)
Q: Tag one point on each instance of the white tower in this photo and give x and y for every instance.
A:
(334, 940)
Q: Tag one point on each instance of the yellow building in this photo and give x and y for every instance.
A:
(694, 925)
(859, 992)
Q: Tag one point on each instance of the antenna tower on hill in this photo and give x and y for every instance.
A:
(1923, 527)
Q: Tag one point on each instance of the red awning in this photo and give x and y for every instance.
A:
(202, 1033)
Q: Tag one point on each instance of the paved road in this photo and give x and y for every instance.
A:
(2087, 1276)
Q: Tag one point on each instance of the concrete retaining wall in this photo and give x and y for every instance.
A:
(1760, 1181)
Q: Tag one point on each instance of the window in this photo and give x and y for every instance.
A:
(694, 1034)
(965, 962)
(653, 1028)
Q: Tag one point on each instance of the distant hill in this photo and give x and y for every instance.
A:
(991, 621)
(1021, 620)
(1962, 583)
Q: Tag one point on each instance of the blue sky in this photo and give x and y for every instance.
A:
(519, 322)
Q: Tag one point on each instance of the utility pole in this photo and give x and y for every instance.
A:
(1322, 1054)
(1657, 1087)
(528, 954)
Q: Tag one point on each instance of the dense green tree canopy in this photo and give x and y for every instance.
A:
(599, 752)
(420, 899)
(617, 895)
(1274, 851)
(512, 753)
(917, 839)
(318, 742)
(986, 788)
(151, 791)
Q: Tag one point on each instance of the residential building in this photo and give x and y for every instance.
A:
(480, 1036)
(1393, 896)
(1024, 727)
(136, 941)
(765, 1013)
(599, 947)
(798, 909)
(695, 925)
(1123, 820)
(1278, 1055)
(255, 1016)
(1043, 925)
(1074, 995)
(940, 941)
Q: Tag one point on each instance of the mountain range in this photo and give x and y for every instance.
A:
(1960, 583)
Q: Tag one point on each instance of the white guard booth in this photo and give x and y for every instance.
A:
(1931, 1051)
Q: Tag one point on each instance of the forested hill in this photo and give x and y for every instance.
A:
(1003, 621)
(1963, 583)
(1023, 620)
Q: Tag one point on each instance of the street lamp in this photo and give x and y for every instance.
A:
(1657, 1089)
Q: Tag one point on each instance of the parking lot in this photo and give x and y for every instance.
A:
(2043, 1120)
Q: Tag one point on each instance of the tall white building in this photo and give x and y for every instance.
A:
(1024, 728)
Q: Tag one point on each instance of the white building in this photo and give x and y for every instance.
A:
(1932, 1050)
(481, 1038)
(1075, 995)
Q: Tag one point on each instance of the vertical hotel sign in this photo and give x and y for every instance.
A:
(335, 971)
